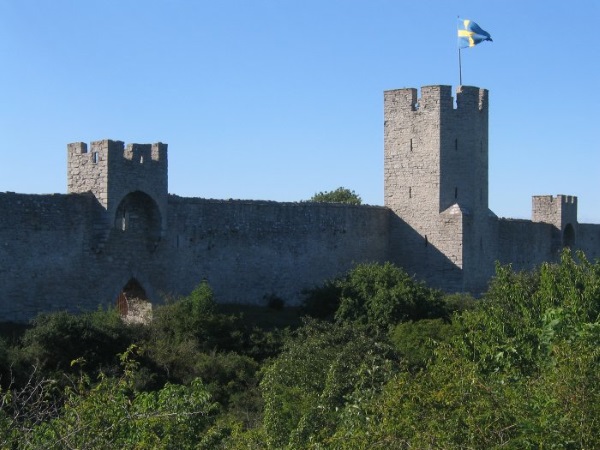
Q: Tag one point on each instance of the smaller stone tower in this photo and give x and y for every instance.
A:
(130, 183)
(560, 211)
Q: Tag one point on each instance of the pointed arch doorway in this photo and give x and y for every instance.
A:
(133, 303)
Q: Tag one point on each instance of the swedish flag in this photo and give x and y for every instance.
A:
(470, 34)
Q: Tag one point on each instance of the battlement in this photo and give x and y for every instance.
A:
(437, 97)
(107, 148)
(558, 210)
(554, 201)
(145, 152)
(111, 171)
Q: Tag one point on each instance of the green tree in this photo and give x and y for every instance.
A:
(315, 375)
(56, 339)
(383, 295)
(339, 195)
(521, 372)
(111, 413)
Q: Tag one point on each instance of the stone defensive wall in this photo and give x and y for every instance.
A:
(526, 244)
(56, 253)
(42, 251)
(247, 250)
(588, 239)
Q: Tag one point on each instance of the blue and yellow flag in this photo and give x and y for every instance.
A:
(470, 34)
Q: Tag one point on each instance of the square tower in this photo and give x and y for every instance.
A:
(436, 183)
(560, 211)
(114, 173)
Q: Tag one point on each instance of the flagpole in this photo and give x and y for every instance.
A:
(459, 68)
(459, 60)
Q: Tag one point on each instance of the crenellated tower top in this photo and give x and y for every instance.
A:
(111, 171)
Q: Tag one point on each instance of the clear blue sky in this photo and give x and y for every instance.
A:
(279, 99)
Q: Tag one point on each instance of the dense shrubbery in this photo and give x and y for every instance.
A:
(376, 295)
(395, 365)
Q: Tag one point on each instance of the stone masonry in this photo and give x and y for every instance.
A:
(117, 231)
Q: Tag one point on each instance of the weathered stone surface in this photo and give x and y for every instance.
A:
(118, 228)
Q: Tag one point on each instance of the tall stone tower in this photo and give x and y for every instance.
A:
(436, 184)
(130, 184)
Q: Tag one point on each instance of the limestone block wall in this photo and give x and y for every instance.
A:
(559, 210)
(588, 240)
(50, 260)
(249, 249)
(42, 253)
(525, 244)
(436, 183)
(110, 170)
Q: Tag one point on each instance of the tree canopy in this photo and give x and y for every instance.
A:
(339, 195)
(394, 365)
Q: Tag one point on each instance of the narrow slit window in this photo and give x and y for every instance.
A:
(95, 157)
(409, 192)
(411, 145)
(426, 241)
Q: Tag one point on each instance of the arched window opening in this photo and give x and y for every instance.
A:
(569, 236)
(139, 217)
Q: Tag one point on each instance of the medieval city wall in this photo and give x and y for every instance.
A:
(525, 244)
(247, 250)
(56, 255)
(588, 239)
(118, 232)
(42, 240)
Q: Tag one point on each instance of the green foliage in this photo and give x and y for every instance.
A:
(320, 368)
(521, 371)
(459, 302)
(524, 313)
(111, 414)
(186, 327)
(417, 341)
(339, 195)
(56, 339)
(400, 367)
(383, 295)
(321, 302)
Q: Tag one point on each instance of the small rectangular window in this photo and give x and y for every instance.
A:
(95, 157)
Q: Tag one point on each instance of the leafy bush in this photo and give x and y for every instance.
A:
(56, 339)
(112, 414)
(321, 302)
(384, 295)
(320, 368)
(416, 341)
